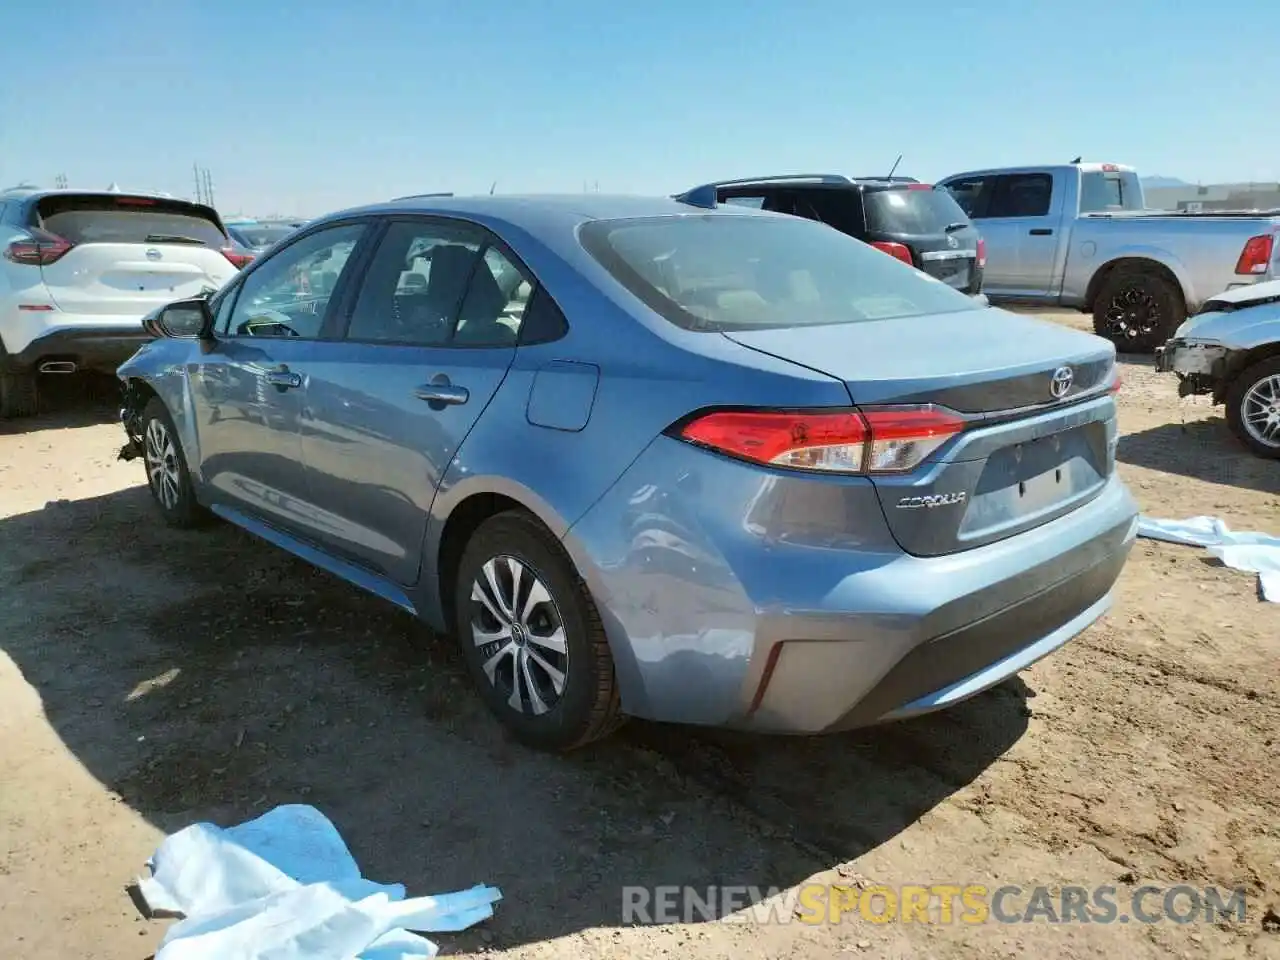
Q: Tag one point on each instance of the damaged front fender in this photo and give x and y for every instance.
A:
(135, 401)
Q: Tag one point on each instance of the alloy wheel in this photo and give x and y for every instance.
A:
(518, 629)
(162, 464)
(1133, 313)
(1260, 411)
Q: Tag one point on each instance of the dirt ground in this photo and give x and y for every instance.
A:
(151, 678)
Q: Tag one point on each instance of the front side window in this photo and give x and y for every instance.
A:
(288, 294)
(743, 272)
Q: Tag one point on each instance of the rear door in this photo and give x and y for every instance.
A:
(130, 254)
(430, 335)
(941, 237)
(1026, 213)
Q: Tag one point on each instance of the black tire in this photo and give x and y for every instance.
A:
(587, 706)
(1251, 385)
(165, 463)
(1138, 309)
(19, 394)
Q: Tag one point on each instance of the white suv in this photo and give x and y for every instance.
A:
(79, 271)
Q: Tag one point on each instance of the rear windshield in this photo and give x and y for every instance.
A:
(911, 211)
(1106, 190)
(744, 272)
(260, 236)
(97, 219)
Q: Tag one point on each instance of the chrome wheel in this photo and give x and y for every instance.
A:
(163, 470)
(518, 630)
(1260, 411)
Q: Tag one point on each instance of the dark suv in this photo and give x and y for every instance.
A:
(912, 221)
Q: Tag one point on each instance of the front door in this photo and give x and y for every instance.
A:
(247, 389)
(429, 340)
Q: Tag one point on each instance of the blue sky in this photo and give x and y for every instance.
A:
(308, 106)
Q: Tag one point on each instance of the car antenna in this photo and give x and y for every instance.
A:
(492, 187)
(894, 168)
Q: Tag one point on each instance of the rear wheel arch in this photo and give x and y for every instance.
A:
(1136, 264)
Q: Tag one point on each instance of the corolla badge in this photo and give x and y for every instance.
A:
(1061, 382)
(931, 501)
(153, 254)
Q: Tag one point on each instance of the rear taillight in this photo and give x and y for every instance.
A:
(898, 250)
(919, 186)
(1117, 382)
(884, 440)
(982, 253)
(238, 260)
(39, 249)
(1256, 254)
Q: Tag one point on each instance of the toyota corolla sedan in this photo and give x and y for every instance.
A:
(663, 458)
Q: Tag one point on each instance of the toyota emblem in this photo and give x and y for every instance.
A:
(153, 254)
(1061, 382)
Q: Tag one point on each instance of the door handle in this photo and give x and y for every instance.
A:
(284, 379)
(1042, 232)
(440, 395)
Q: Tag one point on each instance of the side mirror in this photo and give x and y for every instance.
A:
(184, 320)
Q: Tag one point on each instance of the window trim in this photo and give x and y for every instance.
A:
(326, 331)
(342, 321)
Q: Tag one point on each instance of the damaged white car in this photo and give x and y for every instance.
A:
(1230, 350)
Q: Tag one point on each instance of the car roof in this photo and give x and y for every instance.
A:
(537, 212)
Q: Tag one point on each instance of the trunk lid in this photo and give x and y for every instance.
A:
(1028, 456)
(131, 254)
(928, 222)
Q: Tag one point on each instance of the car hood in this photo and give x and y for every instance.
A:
(1242, 327)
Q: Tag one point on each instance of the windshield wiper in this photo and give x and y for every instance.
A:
(953, 227)
(172, 238)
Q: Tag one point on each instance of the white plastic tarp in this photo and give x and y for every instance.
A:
(1253, 552)
(285, 887)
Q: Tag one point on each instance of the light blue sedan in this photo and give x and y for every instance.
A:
(650, 457)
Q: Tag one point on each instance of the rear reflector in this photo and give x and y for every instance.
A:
(1256, 255)
(238, 260)
(982, 253)
(39, 249)
(35, 307)
(896, 250)
(135, 202)
(884, 440)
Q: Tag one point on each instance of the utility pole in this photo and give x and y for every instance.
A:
(60, 181)
(208, 187)
(195, 172)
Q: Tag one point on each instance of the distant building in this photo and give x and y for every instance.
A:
(1214, 196)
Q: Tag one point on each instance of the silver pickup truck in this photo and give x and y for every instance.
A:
(1079, 235)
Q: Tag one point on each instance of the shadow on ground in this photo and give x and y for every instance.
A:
(1202, 449)
(70, 401)
(206, 676)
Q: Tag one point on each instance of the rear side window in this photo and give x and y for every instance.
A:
(912, 211)
(1021, 195)
(105, 219)
(1108, 190)
(742, 272)
(972, 194)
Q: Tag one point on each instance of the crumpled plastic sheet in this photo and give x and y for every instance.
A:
(1252, 552)
(285, 887)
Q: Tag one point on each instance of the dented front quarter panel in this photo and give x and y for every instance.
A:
(161, 368)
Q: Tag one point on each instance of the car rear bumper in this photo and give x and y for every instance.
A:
(94, 346)
(721, 621)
